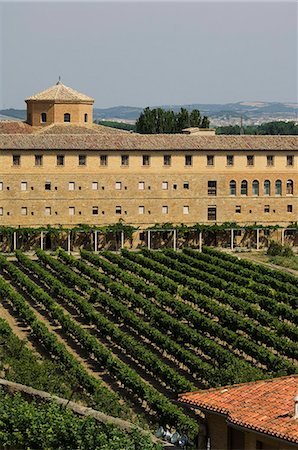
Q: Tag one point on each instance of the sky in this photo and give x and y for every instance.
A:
(150, 53)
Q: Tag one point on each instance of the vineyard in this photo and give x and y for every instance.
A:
(136, 329)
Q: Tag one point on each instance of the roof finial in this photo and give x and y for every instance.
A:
(59, 80)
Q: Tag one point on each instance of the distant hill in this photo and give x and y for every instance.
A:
(248, 110)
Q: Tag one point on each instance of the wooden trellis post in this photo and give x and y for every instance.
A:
(68, 241)
(95, 241)
(232, 239)
(149, 240)
(258, 238)
(175, 240)
(41, 240)
(200, 241)
(14, 241)
(122, 239)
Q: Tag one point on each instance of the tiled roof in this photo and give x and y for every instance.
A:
(265, 406)
(14, 127)
(61, 93)
(132, 141)
(68, 128)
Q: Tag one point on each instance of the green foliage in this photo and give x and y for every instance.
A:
(118, 125)
(155, 121)
(270, 128)
(48, 426)
(276, 249)
(290, 262)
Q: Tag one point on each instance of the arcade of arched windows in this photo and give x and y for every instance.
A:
(266, 188)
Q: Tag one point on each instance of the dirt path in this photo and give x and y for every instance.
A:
(262, 259)
(19, 329)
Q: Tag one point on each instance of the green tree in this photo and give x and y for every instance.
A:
(195, 118)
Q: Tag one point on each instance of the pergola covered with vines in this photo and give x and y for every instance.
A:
(120, 235)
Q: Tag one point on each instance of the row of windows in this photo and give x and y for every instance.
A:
(167, 160)
(141, 210)
(211, 187)
(66, 117)
(256, 187)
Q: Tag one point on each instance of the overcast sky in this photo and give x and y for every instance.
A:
(150, 53)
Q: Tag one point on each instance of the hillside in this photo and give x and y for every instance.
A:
(142, 327)
(250, 111)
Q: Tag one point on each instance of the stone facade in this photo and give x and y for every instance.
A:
(142, 195)
(74, 172)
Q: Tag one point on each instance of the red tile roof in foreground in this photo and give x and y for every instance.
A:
(265, 406)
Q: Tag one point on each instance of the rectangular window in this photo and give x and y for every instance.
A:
(210, 160)
(266, 208)
(290, 160)
(118, 185)
(47, 211)
(238, 209)
(94, 186)
(24, 185)
(289, 208)
(47, 186)
(165, 185)
(124, 160)
(175, 187)
(230, 160)
(250, 160)
(24, 211)
(38, 160)
(1, 185)
(141, 209)
(186, 209)
(103, 160)
(60, 160)
(165, 210)
(211, 213)
(141, 185)
(270, 160)
(71, 210)
(16, 160)
(188, 160)
(186, 185)
(71, 186)
(1, 211)
(118, 210)
(146, 160)
(167, 159)
(82, 160)
(95, 210)
(211, 187)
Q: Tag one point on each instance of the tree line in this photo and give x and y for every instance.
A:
(273, 128)
(158, 120)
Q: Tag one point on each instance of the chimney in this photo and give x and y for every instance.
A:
(296, 407)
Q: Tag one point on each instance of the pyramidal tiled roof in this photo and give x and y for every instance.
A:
(266, 406)
(61, 93)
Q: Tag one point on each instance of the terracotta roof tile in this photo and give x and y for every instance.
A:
(60, 93)
(14, 127)
(69, 128)
(266, 406)
(137, 142)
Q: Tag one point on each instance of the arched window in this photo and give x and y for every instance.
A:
(66, 117)
(267, 187)
(85, 117)
(290, 187)
(278, 187)
(255, 187)
(43, 117)
(243, 187)
(232, 187)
